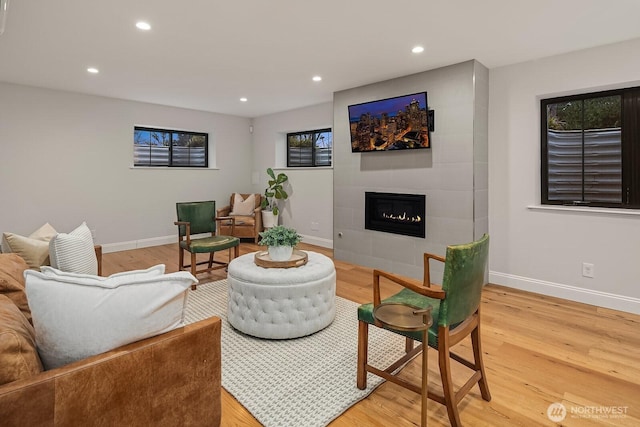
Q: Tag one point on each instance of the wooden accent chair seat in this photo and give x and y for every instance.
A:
(199, 218)
(248, 219)
(456, 315)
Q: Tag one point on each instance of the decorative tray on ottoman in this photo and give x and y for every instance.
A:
(298, 259)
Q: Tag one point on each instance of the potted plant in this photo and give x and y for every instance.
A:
(274, 192)
(280, 241)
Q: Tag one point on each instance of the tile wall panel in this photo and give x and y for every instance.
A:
(446, 174)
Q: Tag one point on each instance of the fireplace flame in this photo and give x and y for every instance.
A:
(403, 218)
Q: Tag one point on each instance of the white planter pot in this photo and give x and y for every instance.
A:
(280, 253)
(269, 219)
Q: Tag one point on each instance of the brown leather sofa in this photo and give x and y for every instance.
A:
(172, 379)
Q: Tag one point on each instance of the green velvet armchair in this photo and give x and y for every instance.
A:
(200, 218)
(456, 315)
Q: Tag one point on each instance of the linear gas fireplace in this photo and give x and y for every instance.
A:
(395, 213)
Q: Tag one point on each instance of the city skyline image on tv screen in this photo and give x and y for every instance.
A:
(397, 123)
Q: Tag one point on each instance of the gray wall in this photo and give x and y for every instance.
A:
(67, 158)
(452, 174)
(541, 249)
(309, 208)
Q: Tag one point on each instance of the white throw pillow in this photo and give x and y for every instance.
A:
(76, 316)
(242, 206)
(74, 252)
(124, 277)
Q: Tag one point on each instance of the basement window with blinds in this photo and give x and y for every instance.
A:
(310, 148)
(591, 149)
(173, 148)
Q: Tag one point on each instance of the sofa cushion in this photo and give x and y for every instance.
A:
(18, 355)
(113, 280)
(243, 206)
(241, 221)
(76, 316)
(12, 267)
(74, 252)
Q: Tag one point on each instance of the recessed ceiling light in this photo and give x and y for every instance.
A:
(243, 99)
(316, 78)
(143, 25)
(417, 49)
(93, 70)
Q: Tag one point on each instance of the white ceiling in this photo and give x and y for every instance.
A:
(206, 54)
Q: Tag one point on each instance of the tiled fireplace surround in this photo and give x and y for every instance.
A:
(453, 174)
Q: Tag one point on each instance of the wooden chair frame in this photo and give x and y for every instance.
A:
(211, 261)
(98, 250)
(447, 338)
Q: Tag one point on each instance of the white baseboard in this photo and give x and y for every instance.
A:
(312, 240)
(572, 293)
(157, 241)
(137, 244)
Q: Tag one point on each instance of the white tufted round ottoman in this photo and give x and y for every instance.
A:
(280, 303)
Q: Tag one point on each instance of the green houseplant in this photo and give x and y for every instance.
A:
(280, 241)
(272, 194)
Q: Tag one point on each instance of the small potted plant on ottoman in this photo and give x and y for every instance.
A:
(280, 241)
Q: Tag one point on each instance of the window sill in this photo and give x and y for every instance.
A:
(171, 168)
(585, 210)
(303, 168)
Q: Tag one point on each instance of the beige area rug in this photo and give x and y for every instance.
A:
(302, 382)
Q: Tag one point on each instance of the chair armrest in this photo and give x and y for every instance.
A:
(426, 281)
(224, 211)
(431, 292)
(226, 218)
(258, 218)
(187, 226)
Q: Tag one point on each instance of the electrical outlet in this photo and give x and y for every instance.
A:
(588, 269)
(315, 226)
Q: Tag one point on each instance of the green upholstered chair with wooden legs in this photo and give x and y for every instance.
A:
(200, 218)
(456, 315)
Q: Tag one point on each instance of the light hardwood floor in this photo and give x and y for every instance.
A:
(538, 350)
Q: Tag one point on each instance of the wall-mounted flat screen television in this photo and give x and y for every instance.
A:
(397, 123)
